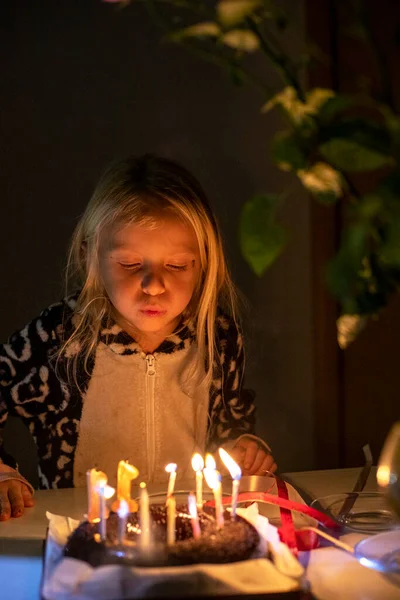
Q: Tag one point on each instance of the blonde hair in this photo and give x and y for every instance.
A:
(136, 190)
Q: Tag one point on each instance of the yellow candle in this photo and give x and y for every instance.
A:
(126, 474)
(144, 517)
(197, 466)
(171, 519)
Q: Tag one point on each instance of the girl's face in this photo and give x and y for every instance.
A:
(150, 275)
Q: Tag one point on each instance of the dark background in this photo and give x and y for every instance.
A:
(83, 82)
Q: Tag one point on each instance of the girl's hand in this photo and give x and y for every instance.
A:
(14, 496)
(252, 457)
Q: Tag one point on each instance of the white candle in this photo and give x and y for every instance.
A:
(144, 517)
(171, 469)
(171, 519)
(93, 477)
(213, 479)
(236, 474)
(123, 512)
(194, 517)
(197, 466)
(101, 489)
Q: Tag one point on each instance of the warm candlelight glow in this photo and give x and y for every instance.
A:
(231, 465)
(108, 492)
(171, 469)
(213, 479)
(197, 462)
(198, 466)
(123, 512)
(210, 462)
(383, 475)
(194, 517)
(236, 474)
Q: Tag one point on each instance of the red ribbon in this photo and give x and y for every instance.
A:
(295, 540)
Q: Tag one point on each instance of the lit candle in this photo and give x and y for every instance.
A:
(236, 474)
(123, 512)
(210, 462)
(144, 517)
(171, 518)
(213, 479)
(171, 469)
(198, 466)
(93, 476)
(194, 517)
(105, 492)
(126, 474)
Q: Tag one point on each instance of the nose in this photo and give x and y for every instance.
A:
(152, 283)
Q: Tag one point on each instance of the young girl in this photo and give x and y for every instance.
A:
(145, 360)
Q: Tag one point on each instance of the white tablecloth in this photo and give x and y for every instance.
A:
(333, 574)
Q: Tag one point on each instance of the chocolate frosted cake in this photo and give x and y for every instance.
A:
(236, 541)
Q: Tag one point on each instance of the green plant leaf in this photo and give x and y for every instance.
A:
(241, 39)
(206, 29)
(350, 155)
(287, 152)
(233, 12)
(323, 182)
(335, 105)
(262, 239)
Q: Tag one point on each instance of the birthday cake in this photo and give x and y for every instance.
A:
(235, 541)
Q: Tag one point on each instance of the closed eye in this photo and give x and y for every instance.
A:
(177, 267)
(130, 266)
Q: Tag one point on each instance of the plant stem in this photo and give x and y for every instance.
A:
(279, 60)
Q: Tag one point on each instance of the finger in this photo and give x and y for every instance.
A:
(5, 508)
(258, 461)
(268, 466)
(16, 500)
(251, 453)
(27, 496)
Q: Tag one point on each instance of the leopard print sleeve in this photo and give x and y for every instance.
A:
(27, 384)
(232, 409)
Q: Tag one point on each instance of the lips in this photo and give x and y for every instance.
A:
(152, 311)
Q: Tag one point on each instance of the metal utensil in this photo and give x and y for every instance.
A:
(359, 485)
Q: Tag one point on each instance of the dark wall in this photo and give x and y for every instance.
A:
(83, 82)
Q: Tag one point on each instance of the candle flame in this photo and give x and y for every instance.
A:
(171, 467)
(210, 462)
(383, 475)
(108, 491)
(101, 481)
(123, 509)
(212, 477)
(231, 465)
(192, 505)
(142, 484)
(197, 462)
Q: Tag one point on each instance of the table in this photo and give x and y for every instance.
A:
(333, 574)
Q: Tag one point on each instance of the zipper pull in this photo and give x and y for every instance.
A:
(151, 370)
